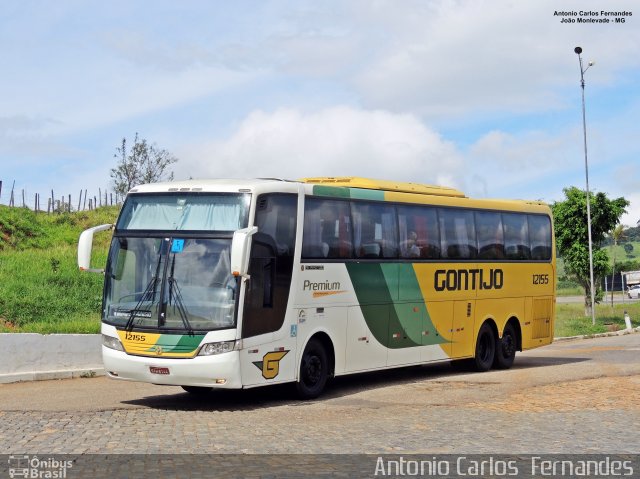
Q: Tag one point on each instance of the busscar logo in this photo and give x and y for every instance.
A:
(270, 364)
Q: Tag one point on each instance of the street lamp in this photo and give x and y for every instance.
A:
(578, 51)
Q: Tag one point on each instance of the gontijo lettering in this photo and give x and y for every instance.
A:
(468, 279)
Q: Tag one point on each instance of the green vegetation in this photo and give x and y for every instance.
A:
(571, 236)
(620, 251)
(41, 288)
(570, 320)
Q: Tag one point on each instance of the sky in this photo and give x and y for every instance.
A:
(480, 95)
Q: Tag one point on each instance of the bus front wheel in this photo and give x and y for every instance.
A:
(314, 370)
(506, 348)
(485, 349)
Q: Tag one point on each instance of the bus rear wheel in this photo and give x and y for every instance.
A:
(314, 371)
(506, 348)
(485, 349)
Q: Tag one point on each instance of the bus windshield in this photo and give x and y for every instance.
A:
(170, 283)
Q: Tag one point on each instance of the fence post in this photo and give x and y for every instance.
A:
(53, 202)
(80, 200)
(0, 189)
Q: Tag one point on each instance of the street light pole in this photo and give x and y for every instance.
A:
(578, 51)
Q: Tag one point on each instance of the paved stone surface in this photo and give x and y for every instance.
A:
(571, 397)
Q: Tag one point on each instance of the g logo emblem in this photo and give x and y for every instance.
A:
(270, 364)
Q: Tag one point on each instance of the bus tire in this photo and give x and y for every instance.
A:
(506, 348)
(485, 349)
(314, 371)
(197, 390)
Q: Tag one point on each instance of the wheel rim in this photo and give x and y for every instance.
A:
(312, 371)
(508, 345)
(485, 348)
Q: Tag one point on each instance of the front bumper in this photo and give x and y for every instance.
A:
(205, 371)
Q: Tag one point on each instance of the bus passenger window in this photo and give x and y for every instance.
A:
(419, 237)
(457, 233)
(540, 237)
(374, 230)
(516, 236)
(327, 229)
(276, 217)
(490, 235)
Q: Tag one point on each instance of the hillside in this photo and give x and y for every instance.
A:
(41, 288)
(621, 255)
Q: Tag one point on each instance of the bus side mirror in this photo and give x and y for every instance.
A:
(85, 244)
(240, 248)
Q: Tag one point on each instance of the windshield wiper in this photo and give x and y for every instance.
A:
(174, 292)
(149, 291)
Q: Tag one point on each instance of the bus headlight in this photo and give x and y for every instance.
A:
(112, 343)
(210, 349)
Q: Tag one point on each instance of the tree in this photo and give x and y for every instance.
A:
(572, 239)
(144, 163)
(617, 234)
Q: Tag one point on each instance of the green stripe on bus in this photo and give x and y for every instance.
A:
(362, 194)
(178, 343)
(322, 190)
(343, 192)
(393, 322)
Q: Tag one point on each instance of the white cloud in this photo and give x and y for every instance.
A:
(632, 217)
(529, 164)
(450, 58)
(538, 165)
(332, 142)
(625, 182)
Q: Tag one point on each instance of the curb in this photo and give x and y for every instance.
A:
(622, 332)
(48, 375)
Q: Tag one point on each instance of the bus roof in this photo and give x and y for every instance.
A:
(385, 185)
(208, 185)
(345, 186)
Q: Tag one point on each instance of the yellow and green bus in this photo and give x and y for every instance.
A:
(245, 283)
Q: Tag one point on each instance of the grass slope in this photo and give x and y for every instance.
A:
(41, 288)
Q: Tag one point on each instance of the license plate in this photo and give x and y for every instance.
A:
(155, 370)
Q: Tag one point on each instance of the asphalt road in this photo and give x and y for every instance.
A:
(580, 396)
(617, 299)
